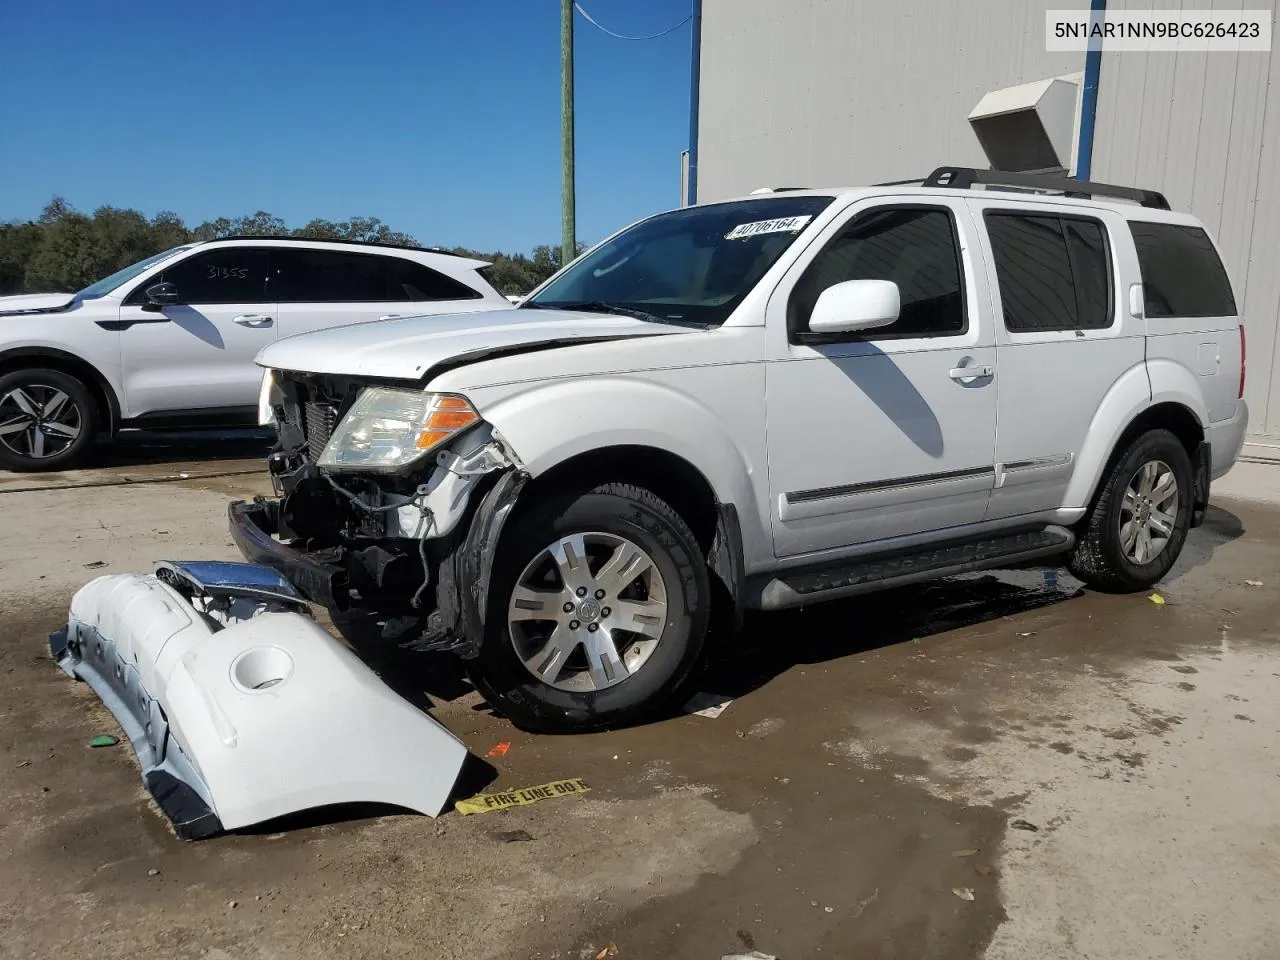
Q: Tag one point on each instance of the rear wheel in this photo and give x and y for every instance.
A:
(598, 611)
(47, 420)
(1140, 520)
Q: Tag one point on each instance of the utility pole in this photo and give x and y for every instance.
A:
(569, 238)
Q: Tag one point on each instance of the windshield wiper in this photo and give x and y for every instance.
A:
(600, 306)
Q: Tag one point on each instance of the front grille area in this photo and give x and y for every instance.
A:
(319, 419)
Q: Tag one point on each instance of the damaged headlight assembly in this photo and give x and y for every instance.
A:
(388, 428)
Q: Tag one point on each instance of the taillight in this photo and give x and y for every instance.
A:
(1240, 395)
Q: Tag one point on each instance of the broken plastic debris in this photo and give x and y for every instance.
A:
(707, 705)
(1025, 825)
(95, 564)
(499, 749)
(104, 740)
(1156, 599)
(608, 951)
(1028, 633)
(1254, 583)
(485, 802)
(964, 893)
(964, 853)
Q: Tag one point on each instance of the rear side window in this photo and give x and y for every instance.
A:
(413, 281)
(916, 248)
(322, 276)
(1054, 272)
(1182, 274)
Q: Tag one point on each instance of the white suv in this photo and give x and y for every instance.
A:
(759, 404)
(170, 341)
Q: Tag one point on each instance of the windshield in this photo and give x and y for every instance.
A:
(107, 284)
(688, 266)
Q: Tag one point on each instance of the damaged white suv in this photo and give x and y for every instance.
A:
(757, 404)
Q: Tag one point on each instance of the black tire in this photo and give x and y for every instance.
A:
(644, 520)
(23, 451)
(1099, 558)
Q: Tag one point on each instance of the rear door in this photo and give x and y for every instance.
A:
(1190, 310)
(1063, 340)
(318, 289)
(198, 355)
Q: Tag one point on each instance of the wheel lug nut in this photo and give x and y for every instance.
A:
(574, 624)
(582, 591)
(592, 627)
(568, 608)
(599, 594)
(605, 611)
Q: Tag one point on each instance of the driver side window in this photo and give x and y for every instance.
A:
(228, 275)
(916, 248)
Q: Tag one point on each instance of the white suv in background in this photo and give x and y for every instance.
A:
(759, 404)
(170, 341)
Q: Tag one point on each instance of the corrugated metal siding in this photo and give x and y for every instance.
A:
(799, 92)
(1204, 128)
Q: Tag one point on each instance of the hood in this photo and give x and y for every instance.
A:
(35, 303)
(411, 347)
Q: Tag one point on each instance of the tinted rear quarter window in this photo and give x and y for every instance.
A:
(414, 281)
(1182, 274)
(323, 276)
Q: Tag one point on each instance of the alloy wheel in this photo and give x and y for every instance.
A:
(587, 612)
(38, 421)
(1148, 512)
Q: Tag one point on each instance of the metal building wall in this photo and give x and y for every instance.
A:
(839, 92)
(1204, 128)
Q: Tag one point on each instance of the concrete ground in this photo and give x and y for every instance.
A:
(1098, 774)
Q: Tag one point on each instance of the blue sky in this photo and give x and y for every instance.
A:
(442, 117)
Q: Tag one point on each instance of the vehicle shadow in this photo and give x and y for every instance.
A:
(137, 448)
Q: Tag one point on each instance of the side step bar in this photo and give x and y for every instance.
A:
(867, 574)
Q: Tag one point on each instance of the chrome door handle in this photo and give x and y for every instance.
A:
(253, 320)
(974, 372)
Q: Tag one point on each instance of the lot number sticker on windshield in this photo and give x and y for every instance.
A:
(782, 225)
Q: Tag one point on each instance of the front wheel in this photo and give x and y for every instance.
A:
(1140, 520)
(47, 420)
(598, 611)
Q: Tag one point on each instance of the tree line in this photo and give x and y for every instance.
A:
(65, 250)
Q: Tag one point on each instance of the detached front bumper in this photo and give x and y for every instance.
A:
(253, 527)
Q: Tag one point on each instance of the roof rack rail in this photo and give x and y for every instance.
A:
(899, 183)
(963, 178)
(353, 243)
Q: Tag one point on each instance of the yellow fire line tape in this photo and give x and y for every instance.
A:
(486, 802)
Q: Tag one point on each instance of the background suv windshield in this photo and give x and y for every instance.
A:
(691, 265)
(107, 284)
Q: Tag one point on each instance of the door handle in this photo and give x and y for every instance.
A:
(390, 316)
(975, 372)
(253, 320)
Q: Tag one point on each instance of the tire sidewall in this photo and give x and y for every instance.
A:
(78, 393)
(536, 705)
(1157, 445)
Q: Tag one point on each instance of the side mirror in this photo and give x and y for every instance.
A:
(855, 305)
(160, 295)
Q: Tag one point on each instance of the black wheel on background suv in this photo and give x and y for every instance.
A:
(598, 611)
(48, 420)
(1139, 521)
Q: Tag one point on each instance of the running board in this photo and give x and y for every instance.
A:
(868, 574)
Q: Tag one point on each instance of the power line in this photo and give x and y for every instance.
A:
(622, 36)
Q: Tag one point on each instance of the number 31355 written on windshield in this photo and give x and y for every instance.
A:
(227, 273)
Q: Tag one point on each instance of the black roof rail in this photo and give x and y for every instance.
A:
(899, 183)
(963, 178)
(353, 243)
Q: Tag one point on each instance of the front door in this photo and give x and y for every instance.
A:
(890, 432)
(198, 355)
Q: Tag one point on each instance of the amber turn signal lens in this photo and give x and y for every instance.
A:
(429, 438)
(450, 419)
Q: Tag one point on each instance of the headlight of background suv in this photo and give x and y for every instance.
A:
(388, 428)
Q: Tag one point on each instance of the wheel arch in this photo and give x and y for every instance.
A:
(51, 358)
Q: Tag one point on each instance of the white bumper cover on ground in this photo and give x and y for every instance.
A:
(240, 707)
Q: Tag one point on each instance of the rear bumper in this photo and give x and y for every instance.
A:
(253, 526)
(1226, 437)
